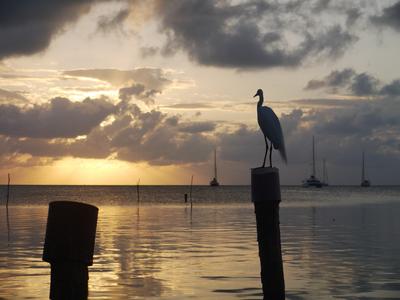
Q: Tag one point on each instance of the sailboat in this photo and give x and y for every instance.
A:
(214, 181)
(364, 182)
(313, 181)
(324, 173)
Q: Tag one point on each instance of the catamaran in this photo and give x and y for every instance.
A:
(313, 181)
(214, 181)
(364, 182)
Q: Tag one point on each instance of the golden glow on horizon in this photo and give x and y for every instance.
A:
(78, 171)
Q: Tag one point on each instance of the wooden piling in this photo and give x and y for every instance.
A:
(69, 246)
(137, 191)
(8, 190)
(266, 195)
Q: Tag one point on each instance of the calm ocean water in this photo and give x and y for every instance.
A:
(337, 242)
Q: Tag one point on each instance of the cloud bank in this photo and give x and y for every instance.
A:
(60, 118)
(241, 35)
(252, 34)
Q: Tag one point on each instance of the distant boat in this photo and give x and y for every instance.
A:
(325, 181)
(313, 181)
(364, 182)
(214, 181)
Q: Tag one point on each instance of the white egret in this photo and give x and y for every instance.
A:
(271, 128)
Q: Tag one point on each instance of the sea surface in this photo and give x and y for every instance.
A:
(337, 242)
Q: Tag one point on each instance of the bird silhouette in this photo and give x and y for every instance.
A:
(271, 128)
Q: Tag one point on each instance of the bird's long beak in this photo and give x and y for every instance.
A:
(255, 95)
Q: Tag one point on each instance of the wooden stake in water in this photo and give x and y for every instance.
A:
(137, 191)
(8, 219)
(190, 193)
(266, 195)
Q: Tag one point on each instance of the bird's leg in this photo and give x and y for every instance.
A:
(270, 156)
(266, 151)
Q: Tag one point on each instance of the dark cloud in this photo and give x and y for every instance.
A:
(333, 80)
(390, 17)
(160, 139)
(138, 91)
(27, 27)
(364, 85)
(353, 15)
(220, 33)
(95, 145)
(391, 89)
(321, 5)
(358, 84)
(113, 22)
(58, 118)
(243, 144)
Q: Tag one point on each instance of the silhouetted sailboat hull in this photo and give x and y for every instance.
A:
(214, 182)
(312, 182)
(365, 183)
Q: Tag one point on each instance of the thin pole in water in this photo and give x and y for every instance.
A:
(8, 219)
(137, 190)
(190, 194)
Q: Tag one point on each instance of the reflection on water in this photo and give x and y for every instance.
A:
(166, 252)
(123, 195)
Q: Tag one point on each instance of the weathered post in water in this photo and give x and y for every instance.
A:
(69, 246)
(8, 217)
(266, 195)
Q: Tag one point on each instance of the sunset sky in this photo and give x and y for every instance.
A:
(107, 92)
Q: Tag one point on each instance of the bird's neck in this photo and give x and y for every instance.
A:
(260, 101)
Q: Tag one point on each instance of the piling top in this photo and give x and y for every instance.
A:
(260, 170)
(74, 204)
(265, 186)
(70, 232)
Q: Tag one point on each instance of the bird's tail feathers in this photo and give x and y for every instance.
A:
(282, 152)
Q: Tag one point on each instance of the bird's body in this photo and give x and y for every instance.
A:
(271, 128)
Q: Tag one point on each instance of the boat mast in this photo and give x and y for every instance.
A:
(363, 168)
(215, 163)
(313, 157)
